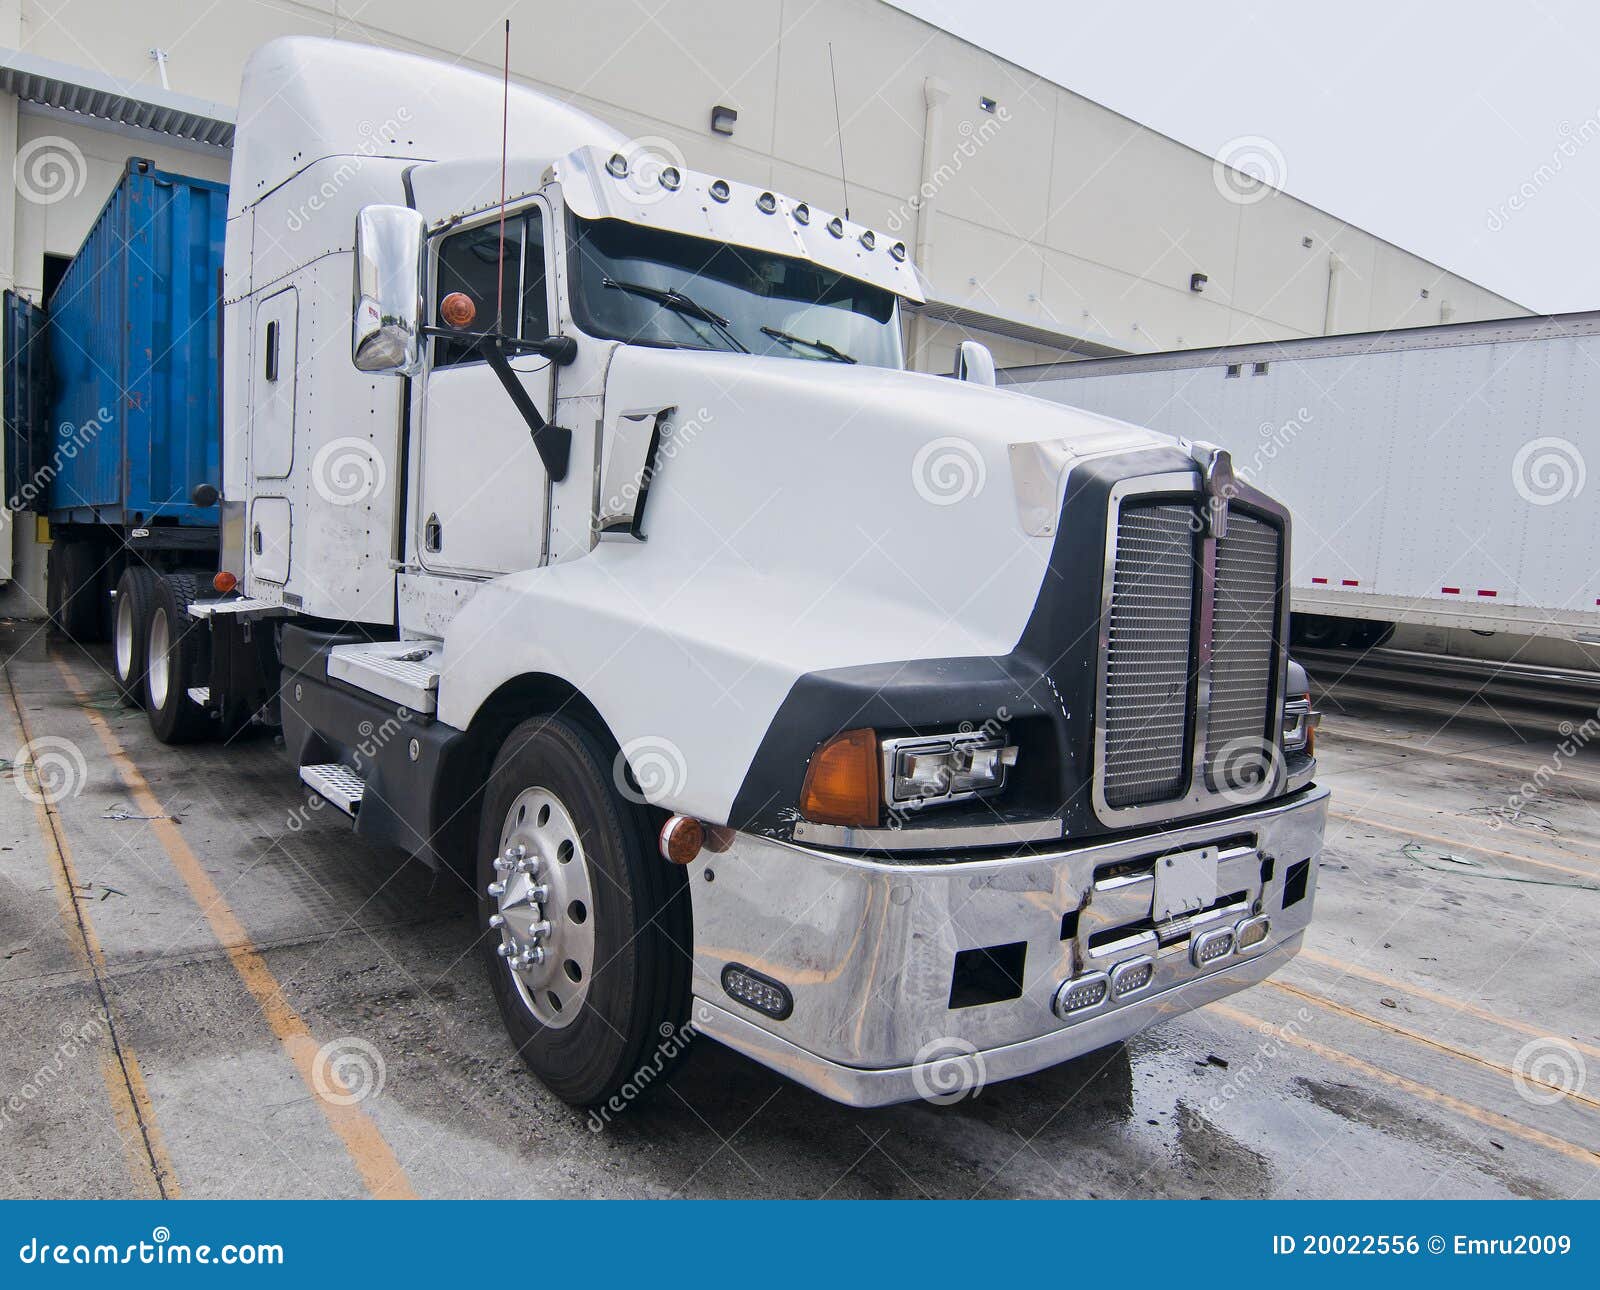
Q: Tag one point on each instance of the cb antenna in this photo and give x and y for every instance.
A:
(500, 260)
(838, 129)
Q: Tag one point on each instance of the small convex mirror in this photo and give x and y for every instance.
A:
(974, 363)
(386, 333)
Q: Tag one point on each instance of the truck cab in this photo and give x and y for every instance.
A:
(587, 538)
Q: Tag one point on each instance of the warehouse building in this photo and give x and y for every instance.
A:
(1046, 224)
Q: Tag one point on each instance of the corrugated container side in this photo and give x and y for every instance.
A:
(134, 344)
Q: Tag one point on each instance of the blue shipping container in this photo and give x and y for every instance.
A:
(135, 352)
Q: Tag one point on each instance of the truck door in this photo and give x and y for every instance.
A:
(483, 497)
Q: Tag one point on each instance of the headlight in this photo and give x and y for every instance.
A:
(854, 775)
(1300, 723)
(925, 770)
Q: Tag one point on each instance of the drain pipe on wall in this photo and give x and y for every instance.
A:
(934, 94)
(1330, 309)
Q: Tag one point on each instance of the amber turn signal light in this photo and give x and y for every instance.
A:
(224, 582)
(457, 309)
(681, 839)
(841, 785)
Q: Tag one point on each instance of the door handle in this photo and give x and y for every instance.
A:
(432, 535)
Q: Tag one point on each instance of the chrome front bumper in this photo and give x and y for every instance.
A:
(868, 950)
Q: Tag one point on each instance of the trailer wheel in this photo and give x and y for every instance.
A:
(130, 631)
(75, 578)
(586, 929)
(177, 660)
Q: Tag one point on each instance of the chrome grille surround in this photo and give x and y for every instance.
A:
(1162, 723)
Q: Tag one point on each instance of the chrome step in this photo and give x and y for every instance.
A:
(405, 672)
(336, 784)
(241, 606)
(200, 695)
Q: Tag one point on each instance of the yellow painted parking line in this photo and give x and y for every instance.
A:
(1427, 1041)
(369, 1151)
(1491, 1119)
(1444, 1000)
(1421, 836)
(151, 1169)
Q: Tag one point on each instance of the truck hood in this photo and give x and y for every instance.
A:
(802, 518)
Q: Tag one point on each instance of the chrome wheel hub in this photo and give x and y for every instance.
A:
(544, 907)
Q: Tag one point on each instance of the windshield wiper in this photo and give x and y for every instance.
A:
(838, 355)
(678, 303)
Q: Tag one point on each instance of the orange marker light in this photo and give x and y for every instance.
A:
(224, 582)
(842, 785)
(457, 309)
(681, 839)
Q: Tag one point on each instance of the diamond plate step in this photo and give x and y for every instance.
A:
(335, 783)
(200, 695)
(242, 606)
(404, 672)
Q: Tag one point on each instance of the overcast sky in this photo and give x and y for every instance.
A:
(1468, 132)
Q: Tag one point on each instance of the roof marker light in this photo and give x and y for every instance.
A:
(670, 178)
(869, 239)
(618, 165)
(720, 192)
(802, 214)
(766, 203)
(836, 226)
(898, 251)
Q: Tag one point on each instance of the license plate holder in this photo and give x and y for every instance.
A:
(1186, 882)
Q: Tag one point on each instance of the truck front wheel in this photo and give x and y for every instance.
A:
(585, 928)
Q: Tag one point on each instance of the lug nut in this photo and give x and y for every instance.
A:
(539, 930)
(497, 921)
(506, 949)
(539, 895)
(497, 889)
(528, 958)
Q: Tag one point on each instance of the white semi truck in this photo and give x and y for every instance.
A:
(592, 543)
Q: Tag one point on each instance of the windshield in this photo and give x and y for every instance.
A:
(650, 287)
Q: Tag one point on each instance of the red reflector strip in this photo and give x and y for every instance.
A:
(1488, 593)
(1450, 591)
(1351, 582)
(1321, 582)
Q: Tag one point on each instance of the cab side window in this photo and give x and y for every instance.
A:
(467, 262)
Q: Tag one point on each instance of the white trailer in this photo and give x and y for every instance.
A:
(592, 542)
(1436, 475)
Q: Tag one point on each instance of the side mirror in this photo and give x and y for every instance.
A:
(974, 363)
(386, 335)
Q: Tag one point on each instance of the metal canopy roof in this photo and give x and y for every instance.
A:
(94, 94)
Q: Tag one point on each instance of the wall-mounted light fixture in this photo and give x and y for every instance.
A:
(722, 119)
(1197, 282)
(986, 103)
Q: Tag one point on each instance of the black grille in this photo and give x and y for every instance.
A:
(1147, 658)
(1150, 652)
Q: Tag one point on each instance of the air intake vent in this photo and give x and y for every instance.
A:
(1147, 698)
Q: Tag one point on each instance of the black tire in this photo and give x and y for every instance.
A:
(77, 585)
(179, 657)
(130, 631)
(630, 1023)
